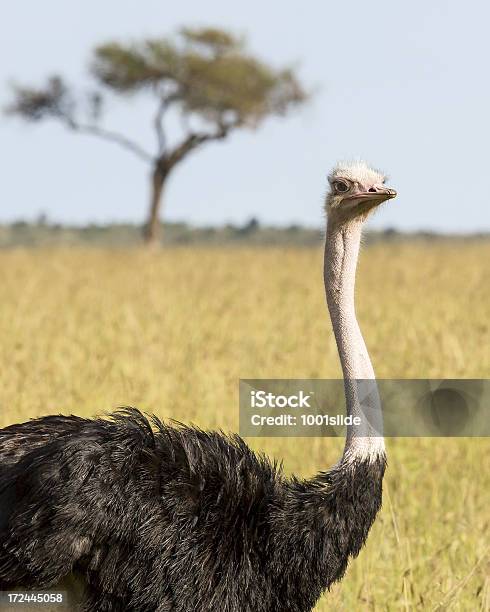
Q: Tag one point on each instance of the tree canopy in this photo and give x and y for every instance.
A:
(206, 74)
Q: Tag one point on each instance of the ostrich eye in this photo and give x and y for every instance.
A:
(341, 186)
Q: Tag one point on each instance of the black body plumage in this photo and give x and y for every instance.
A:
(154, 517)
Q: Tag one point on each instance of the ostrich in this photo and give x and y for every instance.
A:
(153, 517)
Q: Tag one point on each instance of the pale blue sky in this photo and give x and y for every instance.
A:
(404, 85)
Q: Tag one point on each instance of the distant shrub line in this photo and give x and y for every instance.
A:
(44, 233)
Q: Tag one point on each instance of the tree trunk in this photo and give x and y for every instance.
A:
(152, 227)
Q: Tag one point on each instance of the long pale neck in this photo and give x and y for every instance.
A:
(364, 440)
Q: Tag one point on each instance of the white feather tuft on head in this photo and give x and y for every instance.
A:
(357, 171)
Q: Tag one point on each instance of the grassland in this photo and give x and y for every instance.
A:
(85, 331)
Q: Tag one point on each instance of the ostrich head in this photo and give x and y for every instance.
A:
(355, 191)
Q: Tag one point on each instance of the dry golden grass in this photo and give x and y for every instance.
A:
(85, 331)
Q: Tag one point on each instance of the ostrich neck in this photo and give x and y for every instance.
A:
(364, 440)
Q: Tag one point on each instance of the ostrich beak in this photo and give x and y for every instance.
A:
(375, 197)
(363, 202)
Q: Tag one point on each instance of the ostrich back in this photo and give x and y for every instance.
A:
(152, 517)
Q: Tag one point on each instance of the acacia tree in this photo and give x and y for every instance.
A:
(205, 75)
